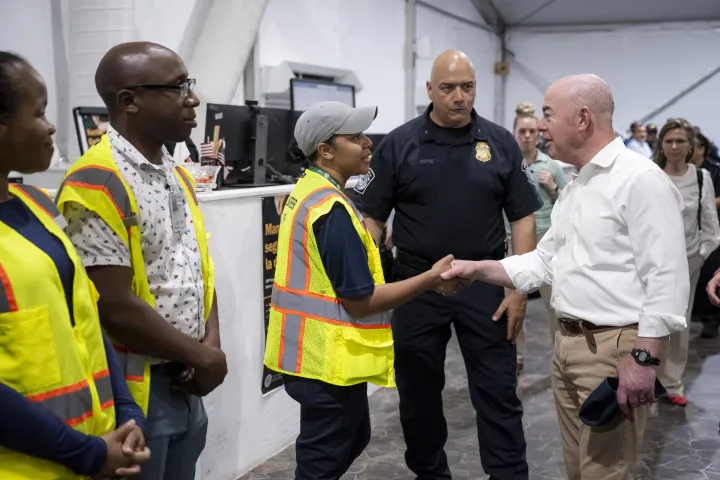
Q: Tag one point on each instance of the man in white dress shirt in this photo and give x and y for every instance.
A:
(615, 256)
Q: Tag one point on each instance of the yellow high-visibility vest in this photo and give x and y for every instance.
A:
(310, 334)
(43, 356)
(95, 182)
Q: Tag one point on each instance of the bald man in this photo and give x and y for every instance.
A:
(134, 219)
(449, 175)
(615, 257)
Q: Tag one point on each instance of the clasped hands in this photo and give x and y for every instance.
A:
(453, 275)
(447, 276)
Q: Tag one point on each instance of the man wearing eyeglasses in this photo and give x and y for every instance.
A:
(133, 217)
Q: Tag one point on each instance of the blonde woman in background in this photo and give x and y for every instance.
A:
(549, 179)
(673, 153)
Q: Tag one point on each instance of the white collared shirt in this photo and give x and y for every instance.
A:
(615, 253)
(172, 261)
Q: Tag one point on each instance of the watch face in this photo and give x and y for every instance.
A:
(643, 356)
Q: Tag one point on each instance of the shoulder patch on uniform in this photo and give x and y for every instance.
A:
(528, 173)
(364, 181)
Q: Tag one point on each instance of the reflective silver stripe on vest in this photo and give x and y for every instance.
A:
(104, 389)
(100, 178)
(328, 309)
(44, 201)
(72, 407)
(132, 363)
(298, 267)
(187, 182)
(291, 344)
(297, 302)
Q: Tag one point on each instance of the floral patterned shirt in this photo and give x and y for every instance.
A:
(172, 260)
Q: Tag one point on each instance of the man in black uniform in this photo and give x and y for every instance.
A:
(449, 174)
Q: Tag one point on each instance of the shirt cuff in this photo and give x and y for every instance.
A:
(656, 325)
(520, 274)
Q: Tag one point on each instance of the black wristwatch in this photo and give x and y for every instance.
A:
(644, 357)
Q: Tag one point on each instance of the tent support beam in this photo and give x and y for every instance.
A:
(489, 12)
(685, 92)
(410, 57)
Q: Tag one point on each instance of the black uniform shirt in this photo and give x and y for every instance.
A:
(448, 187)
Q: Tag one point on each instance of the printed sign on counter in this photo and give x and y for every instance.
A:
(272, 207)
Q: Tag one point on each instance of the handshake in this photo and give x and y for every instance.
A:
(449, 276)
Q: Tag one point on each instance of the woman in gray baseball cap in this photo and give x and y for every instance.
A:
(329, 329)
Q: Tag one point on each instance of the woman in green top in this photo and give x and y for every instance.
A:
(549, 179)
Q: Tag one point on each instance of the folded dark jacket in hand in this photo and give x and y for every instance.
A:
(601, 407)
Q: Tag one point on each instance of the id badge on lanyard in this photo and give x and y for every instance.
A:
(177, 210)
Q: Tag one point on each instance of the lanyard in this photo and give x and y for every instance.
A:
(330, 179)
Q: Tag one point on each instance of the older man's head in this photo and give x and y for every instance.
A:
(577, 118)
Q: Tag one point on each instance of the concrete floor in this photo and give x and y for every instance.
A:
(681, 443)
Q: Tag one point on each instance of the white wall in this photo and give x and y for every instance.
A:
(365, 36)
(25, 28)
(644, 65)
(446, 33)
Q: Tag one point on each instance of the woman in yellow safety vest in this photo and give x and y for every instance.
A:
(62, 390)
(329, 330)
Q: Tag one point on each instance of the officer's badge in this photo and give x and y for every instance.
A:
(482, 152)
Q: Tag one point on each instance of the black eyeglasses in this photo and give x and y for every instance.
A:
(186, 88)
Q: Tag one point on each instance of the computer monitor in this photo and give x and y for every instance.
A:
(256, 142)
(304, 93)
(91, 123)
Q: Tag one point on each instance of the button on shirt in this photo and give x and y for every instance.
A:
(172, 261)
(615, 253)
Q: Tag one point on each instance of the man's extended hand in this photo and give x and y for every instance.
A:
(464, 270)
(515, 305)
(712, 288)
(636, 384)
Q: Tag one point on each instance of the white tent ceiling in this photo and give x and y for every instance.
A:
(573, 12)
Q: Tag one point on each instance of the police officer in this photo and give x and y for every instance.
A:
(449, 174)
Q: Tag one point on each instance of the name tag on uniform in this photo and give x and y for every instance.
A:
(177, 211)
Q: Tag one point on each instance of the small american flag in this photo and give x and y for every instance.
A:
(207, 150)
(221, 159)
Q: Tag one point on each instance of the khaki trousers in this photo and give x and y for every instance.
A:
(675, 358)
(546, 295)
(594, 453)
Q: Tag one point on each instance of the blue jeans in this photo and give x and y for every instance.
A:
(176, 428)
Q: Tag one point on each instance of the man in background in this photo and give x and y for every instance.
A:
(637, 142)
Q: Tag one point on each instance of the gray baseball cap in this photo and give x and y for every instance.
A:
(323, 120)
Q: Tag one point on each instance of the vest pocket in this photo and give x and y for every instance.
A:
(369, 354)
(28, 361)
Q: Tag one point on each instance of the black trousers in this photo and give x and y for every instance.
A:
(421, 330)
(334, 427)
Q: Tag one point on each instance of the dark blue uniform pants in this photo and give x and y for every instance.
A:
(421, 329)
(334, 427)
